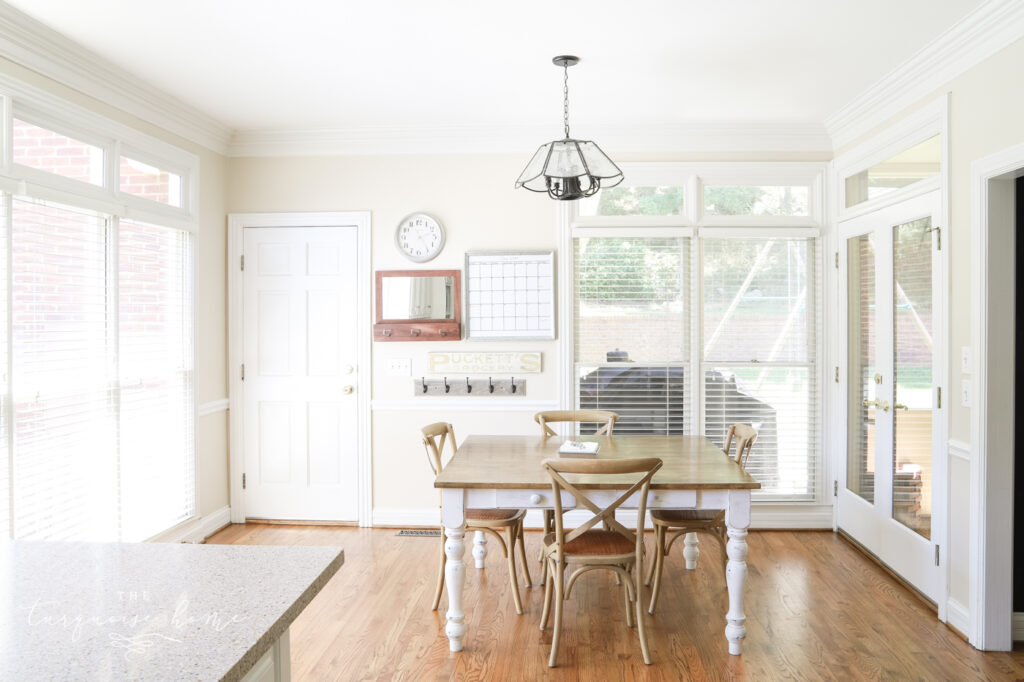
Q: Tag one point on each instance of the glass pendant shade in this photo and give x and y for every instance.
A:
(569, 169)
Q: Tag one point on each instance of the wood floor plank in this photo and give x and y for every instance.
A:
(817, 609)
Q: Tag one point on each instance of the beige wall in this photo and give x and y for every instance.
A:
(986, 116)
(473, 196)
(211, 331)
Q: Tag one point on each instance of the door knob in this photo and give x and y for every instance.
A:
(347, 390)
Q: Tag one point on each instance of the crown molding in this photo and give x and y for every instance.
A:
(35, 46)
(371, 140)
(991, 27)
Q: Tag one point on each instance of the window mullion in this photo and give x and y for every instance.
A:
(113, 356)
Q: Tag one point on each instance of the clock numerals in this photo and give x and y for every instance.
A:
(420, 237)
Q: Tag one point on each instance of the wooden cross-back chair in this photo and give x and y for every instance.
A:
(614, 547)
(673, 523)
(491, 521)
(578, 416)
(605, 417)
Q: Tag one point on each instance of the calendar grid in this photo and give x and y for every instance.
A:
(510, 295)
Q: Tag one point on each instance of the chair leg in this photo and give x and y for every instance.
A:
(522, 554)
(547, 599)
(659, 548)
(626, 594)
(641, 629)
(559, 571)
(512, 569)
(658, 567)
(440, 576)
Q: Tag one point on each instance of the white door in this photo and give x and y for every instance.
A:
(299, 355)
(890, 275)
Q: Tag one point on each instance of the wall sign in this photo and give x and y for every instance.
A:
(472, 362)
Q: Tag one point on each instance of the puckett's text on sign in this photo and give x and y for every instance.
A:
(498, 362)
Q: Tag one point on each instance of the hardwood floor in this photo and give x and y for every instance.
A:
(816, 609)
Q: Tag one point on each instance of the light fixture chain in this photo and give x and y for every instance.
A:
(565, 105)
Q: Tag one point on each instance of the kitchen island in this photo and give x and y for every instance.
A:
(151, 611)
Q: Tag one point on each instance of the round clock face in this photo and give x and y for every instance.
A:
(419, 237)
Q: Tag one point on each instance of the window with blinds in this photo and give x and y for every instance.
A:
(101, 388)
(632, 331)
(759, 340)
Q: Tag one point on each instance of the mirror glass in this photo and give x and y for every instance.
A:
(418, 298)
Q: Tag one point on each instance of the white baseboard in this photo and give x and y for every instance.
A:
(958, 616)
(761, 517)
(195, 531)
(1018, 626)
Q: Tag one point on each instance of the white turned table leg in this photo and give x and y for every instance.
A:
(737, 519)
(454, 520)
(690, 550)
(479, 548)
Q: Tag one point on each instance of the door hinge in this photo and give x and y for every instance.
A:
(835, 488)
(938, 396)
(936, 555)
(243, 371)
(243, 481)
(243, 261)
(837, 260)
(837, 375)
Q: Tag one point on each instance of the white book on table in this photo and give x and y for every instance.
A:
(579, 447)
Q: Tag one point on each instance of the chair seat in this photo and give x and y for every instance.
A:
(492, 514)
(667, 517)
(595, 543)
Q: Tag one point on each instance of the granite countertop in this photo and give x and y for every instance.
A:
(149, 611)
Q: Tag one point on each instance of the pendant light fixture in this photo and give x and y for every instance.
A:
(569, 169)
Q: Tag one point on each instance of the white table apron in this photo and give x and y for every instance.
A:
(735, 502)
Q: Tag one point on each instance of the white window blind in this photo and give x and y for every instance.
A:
(632, 331)
(65, 464)
(103, 429)
(759, 342)
(157, 465)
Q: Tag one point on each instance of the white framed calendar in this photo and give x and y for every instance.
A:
(510, 295)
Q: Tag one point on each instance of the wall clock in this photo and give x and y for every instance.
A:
(420, 237)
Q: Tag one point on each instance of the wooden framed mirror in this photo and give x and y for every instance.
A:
(418, 305)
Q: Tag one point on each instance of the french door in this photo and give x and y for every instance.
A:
(891, 283)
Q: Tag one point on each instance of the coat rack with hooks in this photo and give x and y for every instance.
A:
(469, 386)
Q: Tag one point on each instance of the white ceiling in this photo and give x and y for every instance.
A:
(333, 64)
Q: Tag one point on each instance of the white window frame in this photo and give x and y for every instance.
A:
(38, 107)
(816, 513)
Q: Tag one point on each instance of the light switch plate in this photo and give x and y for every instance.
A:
(965, 393)
(399, 367)
(965, 359)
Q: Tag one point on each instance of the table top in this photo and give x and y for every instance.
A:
(514, 462)
(149, 611)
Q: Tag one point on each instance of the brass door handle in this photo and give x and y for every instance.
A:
(899, 406)
(882, 405)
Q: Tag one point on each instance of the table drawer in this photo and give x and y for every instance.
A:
(672, 499)
(531, 499)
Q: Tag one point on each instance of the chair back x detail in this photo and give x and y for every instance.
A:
(555, 416)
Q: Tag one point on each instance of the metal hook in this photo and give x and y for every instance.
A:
(490, 385)
(469, 386)
(424, 379)
(446, 386)
(513, 384)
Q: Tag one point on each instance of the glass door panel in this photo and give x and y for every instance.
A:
(860, 465)
(912, 369)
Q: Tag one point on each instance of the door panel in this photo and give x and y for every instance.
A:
(300, 420)
(888, 276)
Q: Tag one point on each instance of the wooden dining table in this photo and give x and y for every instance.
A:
(504, 472)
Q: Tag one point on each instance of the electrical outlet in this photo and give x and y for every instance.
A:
(965, 359)
(965, 393)
(399, 367)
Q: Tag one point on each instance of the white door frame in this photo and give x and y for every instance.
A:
(992, 416)
(236, 457)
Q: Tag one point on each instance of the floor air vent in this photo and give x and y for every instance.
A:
(424, 533)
